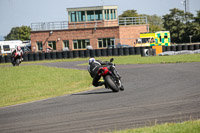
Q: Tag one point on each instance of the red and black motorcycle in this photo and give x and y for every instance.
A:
(16, 58)
(111, 77)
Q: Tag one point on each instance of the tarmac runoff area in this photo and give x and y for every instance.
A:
(154, 93)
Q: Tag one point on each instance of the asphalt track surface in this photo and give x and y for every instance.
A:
(154, 93)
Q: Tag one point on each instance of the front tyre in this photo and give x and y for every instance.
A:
(111, 83)
(17, 62)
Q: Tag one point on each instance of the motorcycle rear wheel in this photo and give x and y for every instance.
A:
(111, 83)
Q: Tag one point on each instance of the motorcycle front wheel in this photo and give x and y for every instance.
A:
(111, 83)
(17, 62)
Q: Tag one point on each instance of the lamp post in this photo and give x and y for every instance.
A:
(190, 39)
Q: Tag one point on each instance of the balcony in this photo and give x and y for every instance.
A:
(63, 25)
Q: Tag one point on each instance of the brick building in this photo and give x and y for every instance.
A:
(98, 27)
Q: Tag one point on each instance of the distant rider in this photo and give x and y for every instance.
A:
(17, 51)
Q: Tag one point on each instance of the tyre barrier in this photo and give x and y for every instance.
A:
(126, 51)
(145, 52)
(7, 59)
(120, 51)
(167, 48)
(30, 57)
(47, 56)
(81, 54)
(92, 53)
(178, 48)
(64, 54)
(36, 56)
(86, 53)
(137, 51)
(59, 55)
(163, 48)
(141, 50)
(190, 47)
(115, 51)
(75, 54)
(196, 47)
(185, 47)
(2, 59)
(25, 57)
(97, 52)
(41, 56)
(70, 54)
(172, 48)
(131, 51)
(109, 52)
(103, 52)
(153, 52)
(53, 55)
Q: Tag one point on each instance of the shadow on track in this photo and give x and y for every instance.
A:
(94, 93)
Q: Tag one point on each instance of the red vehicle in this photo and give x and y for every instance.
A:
(111, 77)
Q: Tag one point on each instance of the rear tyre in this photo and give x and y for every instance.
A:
(111, 83)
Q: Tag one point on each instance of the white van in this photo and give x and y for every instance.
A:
(6, 47)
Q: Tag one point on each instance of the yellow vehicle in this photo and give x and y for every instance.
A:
(160, 38)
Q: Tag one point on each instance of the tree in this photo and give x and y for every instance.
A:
(154, 21)
(129, 13)
(197, 18)
(19, 33)
(182, 25)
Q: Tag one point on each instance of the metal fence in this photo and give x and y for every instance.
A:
(133, 20)
(60, 25)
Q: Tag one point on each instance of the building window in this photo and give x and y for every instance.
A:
(6, 47)
(90, 15)
(107, 14)
(81, 16)
(65, 43)
(73, 16)
(81, 44)
(113, 14)
(105, 42)
(98, 15)
(52, 44)
(39, 46)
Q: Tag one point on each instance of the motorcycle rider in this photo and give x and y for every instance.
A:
(17, 50)
(93, 68)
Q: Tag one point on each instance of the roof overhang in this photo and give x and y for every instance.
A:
(91, 8)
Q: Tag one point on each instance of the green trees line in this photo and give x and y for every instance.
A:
(182, 26)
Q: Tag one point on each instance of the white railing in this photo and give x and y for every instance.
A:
(60, 25)
(133, 20)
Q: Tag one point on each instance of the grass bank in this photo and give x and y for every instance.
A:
(137, 59)
(185, 127)
(29, 83)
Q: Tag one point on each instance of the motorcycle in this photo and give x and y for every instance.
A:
(16, 58)
(111, 77)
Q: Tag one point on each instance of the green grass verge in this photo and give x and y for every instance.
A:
(185, 127)
(49, 61)
(29, 83)
(137, 59)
